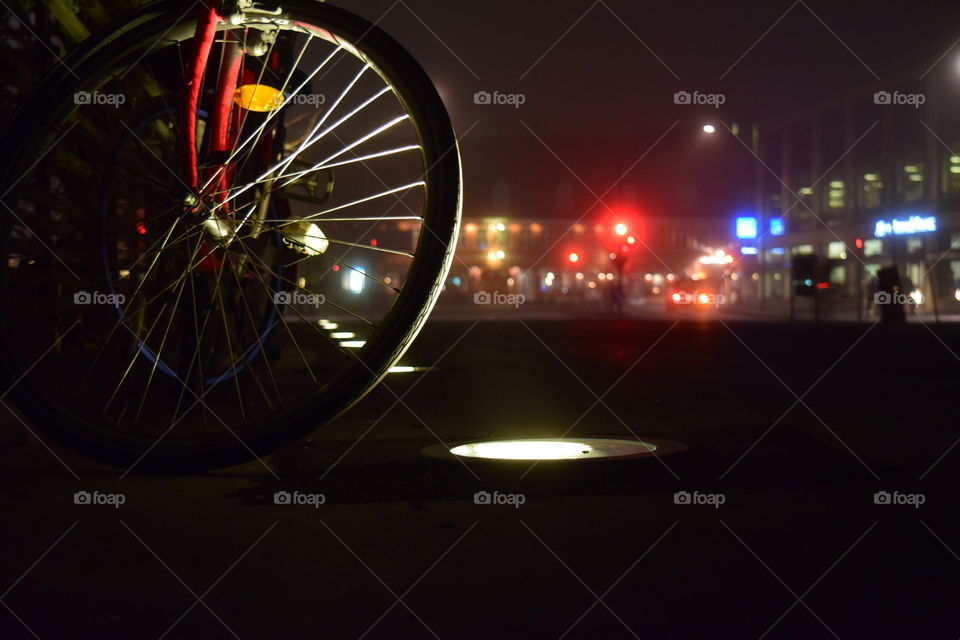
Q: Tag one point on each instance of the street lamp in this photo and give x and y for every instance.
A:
(758, 188)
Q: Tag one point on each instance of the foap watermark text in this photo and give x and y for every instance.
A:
(697, 498)
(98, 499)
(897, 498)
(97, 98)
(896, 297)
(496, 498)
(99, 298)
(914, 100)
(515, 100)
(497, 298)
(299, 298)
(714, 100)
(298, 499)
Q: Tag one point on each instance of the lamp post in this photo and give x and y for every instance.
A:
(762, 220)
(620, 246)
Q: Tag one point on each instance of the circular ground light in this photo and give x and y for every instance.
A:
(547, 449)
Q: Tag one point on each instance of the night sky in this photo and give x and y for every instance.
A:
(597, 98)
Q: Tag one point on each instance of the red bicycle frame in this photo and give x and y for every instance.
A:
(226, 118)
(200, 56)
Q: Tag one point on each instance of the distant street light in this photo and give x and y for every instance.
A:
(761, 220)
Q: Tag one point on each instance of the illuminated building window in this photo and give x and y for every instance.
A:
(873, 247)
(837, 194)
(838, 275)
(951, 176)
(803, 249)
(871, 193)
(775, 201)
(914, 245)
(837, 251)
(910, 179)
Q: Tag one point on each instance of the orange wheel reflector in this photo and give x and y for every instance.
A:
(258, 97)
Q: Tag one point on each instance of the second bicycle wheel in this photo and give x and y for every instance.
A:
(158, 325)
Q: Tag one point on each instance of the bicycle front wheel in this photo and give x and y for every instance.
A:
(155, 324)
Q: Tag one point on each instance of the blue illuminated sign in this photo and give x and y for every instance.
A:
(749, 251)
(905, 226)
(747, 227)
(777, 227)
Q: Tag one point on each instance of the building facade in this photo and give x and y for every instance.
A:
(865, 181)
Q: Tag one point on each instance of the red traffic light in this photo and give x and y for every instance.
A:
(574, 257)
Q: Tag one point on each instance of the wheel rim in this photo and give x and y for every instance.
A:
(295, 319)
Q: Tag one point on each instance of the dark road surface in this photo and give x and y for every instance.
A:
(793, 428)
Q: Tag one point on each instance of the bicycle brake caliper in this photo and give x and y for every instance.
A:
(236, 10)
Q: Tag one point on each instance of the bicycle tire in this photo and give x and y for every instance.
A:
(34, 122)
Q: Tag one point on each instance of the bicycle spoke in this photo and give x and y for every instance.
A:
(262, 348)
(341, 263)
(377, 196)
(385, 127)
(195, 359)
(321, 167)
(158, 356)
(304, 144)
(288, 281)
(136, 293)
(268, 221)
(254, 137)
(271, 294)
(133, 360)
(218, 292)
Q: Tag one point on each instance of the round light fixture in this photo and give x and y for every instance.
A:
(534, 449)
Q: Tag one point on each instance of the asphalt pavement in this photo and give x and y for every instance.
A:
(814, 497)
